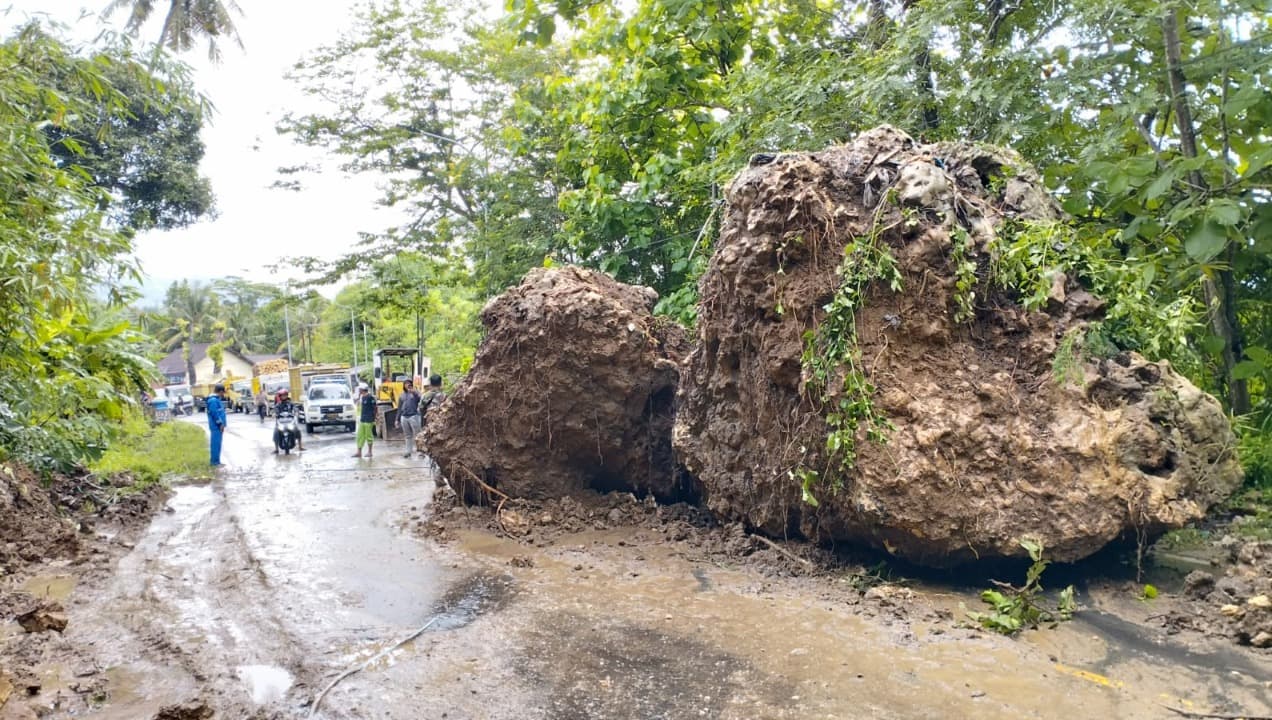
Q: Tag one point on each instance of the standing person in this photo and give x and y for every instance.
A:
(216, 421)
(366, 420)
(409, 415)
(262, 404)
(434, 396)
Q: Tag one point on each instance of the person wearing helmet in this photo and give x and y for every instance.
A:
(216, 422)
(283, 404)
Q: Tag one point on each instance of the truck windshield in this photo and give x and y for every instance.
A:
(329, 392)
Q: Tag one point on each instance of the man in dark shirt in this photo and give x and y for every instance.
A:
(409, 415)
(366, 419)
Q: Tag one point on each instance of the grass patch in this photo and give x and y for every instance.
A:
(1255, 513)
(151, 455)
(1183, 539)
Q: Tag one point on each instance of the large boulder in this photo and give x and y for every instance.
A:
(1001, 427)
(572, 388)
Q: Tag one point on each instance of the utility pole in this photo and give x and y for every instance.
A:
(287, 322)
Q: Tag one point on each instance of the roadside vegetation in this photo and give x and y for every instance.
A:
(152, 454)
(1012, 608)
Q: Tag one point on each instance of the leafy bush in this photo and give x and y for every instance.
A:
(69, 362)
(1017, 608)
(1255, 449)
(151, 455)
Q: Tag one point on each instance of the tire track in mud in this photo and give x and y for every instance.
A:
(199, 604)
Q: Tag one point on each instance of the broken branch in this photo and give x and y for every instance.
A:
(313, 710)
(782, 550)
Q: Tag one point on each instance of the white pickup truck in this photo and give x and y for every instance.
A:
(328, 401)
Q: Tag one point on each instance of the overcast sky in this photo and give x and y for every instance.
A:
(257, 225)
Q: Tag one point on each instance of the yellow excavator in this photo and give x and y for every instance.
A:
(393, 366)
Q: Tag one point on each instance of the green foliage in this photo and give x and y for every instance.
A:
(832, 357)
(161, 453)
(1183, 538)
(436, 122)
(964, 275)
(1149, 592)
(1066, 366)
(1254, 446)
(185, 22)
(1013, 609)
(146, 156)
(69, 363)
(405, 299)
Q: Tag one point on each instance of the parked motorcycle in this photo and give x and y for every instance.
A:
(286, 432)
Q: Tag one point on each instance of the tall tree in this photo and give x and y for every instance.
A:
(194, 310)
(420, 94)
(147, 158)
(68, 361)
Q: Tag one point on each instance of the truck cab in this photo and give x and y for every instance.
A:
(328, 400)
(180, 401)
(240, 395)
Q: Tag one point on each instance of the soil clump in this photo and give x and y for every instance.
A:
(994, 427)
(572, 388)
(1234, 600)
(73, 525)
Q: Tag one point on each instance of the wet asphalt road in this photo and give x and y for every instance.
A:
(247, 590)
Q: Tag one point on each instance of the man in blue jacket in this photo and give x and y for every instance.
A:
(216, 421)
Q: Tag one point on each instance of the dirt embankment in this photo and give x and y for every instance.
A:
(986, 442)
(76, 524)
(54, 519)
(573, 388)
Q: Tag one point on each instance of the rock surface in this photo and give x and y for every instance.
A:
(572, 388)
(43, 617)
(989, 445)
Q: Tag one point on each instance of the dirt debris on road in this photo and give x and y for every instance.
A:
(573, 387)
(260, 588)
(1234, 600)
(54, 535)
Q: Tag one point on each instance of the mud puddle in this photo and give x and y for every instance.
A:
(608, 629)
(266, 683)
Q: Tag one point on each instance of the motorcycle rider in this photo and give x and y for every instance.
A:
(283, 404)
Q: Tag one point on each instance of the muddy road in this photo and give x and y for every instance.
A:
(247, 596)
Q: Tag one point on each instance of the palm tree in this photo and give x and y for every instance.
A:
(186, 21)
(308, 317)
(193, 310)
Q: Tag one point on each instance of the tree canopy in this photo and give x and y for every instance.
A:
(145, 155)
(69, 361)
